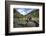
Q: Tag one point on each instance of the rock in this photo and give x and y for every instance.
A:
(31, 24)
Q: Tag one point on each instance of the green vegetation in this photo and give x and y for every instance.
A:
(35, 14)
(21, 19)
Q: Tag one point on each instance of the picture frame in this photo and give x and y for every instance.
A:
(12, 5)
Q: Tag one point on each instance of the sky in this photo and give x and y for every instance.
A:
(24, 11)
